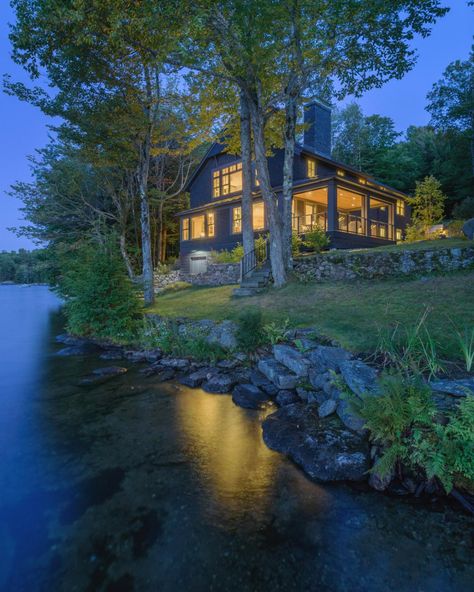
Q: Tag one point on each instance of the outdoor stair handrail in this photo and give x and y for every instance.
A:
(253, 259)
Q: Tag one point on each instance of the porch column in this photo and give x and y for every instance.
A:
(332, 205)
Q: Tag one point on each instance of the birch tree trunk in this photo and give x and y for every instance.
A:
(245, 141)
(147, 261)
(125, 257)
(270, 199)
(287, 189)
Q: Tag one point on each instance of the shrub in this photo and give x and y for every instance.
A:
(454, 229)
(402, 420)
(317, 240)
(100, 298)
(233, 256)
(415, 232)
(275, 333)
(179, 341)
(250, 334)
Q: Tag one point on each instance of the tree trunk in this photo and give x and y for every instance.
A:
(125, 257)
(147, 261)
(159, 243)
(287, 190)
(269, 198)
(245, 141)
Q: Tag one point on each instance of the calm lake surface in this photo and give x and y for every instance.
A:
(134, 485)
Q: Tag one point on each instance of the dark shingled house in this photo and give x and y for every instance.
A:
(355, 210)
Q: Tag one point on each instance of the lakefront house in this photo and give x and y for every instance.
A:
(355, 210)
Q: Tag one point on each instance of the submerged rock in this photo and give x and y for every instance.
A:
(101, 375)
(82, 349)
(324, 448)
(249, 396)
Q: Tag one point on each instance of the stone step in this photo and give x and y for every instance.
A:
(278, 374)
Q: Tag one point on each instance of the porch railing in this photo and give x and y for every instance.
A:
(309, 222)
(351, 223)
(254, 259)
(381, 229)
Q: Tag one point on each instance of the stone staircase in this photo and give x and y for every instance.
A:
(254, 282)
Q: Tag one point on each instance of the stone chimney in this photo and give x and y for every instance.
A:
(317, 135)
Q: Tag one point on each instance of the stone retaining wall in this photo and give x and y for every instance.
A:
(342, 265)
(217, 274)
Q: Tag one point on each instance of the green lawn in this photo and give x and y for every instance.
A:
(425, 245)
(350, 312)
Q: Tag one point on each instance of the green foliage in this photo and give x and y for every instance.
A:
(428, 203)
(296, 244)
(224, 256)
(276, 332)
(317, 240)
(466, 345)
(454, 229)
(250, 332)
(101, 301)
(180, 341)
(403, 421)
(27, 267)
(464, 209)
(176, 287)
(410, 348)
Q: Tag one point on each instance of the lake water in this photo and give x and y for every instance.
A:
(134, 485)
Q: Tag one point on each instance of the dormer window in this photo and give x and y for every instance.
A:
(311, 168)
(400, 207)
(341, 173)
(227, 180)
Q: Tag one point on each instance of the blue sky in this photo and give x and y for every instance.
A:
(24, 128)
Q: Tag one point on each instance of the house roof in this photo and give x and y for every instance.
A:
(217, 148)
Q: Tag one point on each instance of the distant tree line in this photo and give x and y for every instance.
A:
(26, 267)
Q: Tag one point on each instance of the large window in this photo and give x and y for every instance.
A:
(227, 180)
(350, 211)
(198, 226)
(258, 217)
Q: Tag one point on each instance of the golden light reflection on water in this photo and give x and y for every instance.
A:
(239, 471)
(227, 446)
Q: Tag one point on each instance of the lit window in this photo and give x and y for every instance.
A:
(257, 181)
(399, 234)
(185, 229)
(258, 216)
(227, 180)
(400, 207)
(198, 227)
(236, 220)
(341, 173)
(362, 181)
(210, 224)
(311, 167)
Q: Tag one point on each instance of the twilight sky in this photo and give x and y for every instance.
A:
(23, 128)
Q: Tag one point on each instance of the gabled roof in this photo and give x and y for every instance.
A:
(214, 149)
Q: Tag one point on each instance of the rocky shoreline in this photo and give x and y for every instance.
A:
(313, 424)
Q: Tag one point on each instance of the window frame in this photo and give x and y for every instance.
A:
(185, 234)
(311, 163)
(233, 220)
(400, 207)
(217, 179)
(210, 224)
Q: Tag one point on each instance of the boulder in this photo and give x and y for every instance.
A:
(224, 334)
(457, 388)
(143, 355)
(278, 374)
(324, 448)
(323, 382)
(260, 380)
(164, 375)
(219, 384)
(292, 359)
(113, 354)
(468, 229)
(327, 408)
(228, 364)
(249, 396)
(195, 379)
(360, 378)
(176, 363)
(82, 349)
(287, 398)
(325, 358)
(349, 418)
(380, 482)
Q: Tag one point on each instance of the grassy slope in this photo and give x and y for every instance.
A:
(350, 312)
